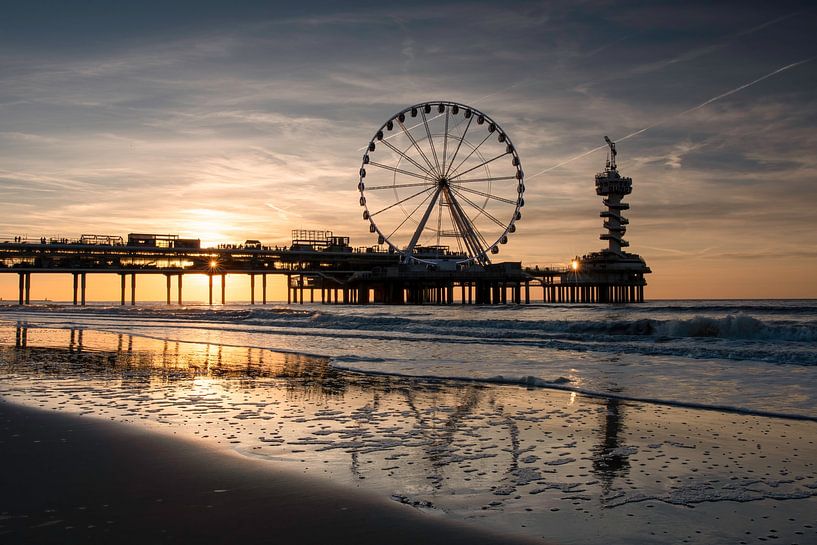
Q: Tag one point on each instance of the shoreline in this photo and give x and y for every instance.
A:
(73, 479)
(524, 381)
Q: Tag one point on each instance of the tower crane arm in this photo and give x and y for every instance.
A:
(613, 152)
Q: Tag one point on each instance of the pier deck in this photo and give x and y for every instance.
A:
(331, 277)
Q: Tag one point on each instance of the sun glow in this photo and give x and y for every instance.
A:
(218, 227)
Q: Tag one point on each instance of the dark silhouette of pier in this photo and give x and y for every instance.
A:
(331, 273)
(324, 268)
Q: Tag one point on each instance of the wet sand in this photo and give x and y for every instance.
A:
(553, 465)
(69, 479)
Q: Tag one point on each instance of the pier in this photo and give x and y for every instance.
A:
(440, 211)
(328, 273)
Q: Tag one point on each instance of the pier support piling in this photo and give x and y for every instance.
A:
(28, 288)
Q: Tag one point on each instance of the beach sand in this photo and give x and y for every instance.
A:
(68, 479)
(554, 466)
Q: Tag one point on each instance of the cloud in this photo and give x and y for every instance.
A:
(254, 126)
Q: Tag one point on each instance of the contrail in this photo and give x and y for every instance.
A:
(679, 114)
(744, 86)
(408, 128)
(693, 54)
(508, 88)
(665, 63)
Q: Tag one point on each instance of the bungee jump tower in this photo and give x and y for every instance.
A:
(610, 275)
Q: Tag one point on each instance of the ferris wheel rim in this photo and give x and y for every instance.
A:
(430, 173)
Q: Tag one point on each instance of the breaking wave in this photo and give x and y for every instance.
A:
(777, 339)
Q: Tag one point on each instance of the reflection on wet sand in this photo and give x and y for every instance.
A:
(611, 458)
(21, 336)
(554, 464)
(152, 361)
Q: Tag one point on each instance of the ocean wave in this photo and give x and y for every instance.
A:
(737, 323)
(739, 326)
(731, 326)
(777, 354)
(793, 307)
(732, 337)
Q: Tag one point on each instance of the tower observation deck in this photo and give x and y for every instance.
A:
(613, 187)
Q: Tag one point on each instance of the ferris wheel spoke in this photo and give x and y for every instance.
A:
(459, 144)
(416, 208)
(401, 201)
(445, 140)
(468, 230)
(467, 226)
(488, 195)
(468, 236)
(422, 225)
(473, 151)
(494, 179)
(480, 209)
(395, 134)
(398, 170)
(478, 243)
(397, 186)
(416, 146)
(455, 228)
(479, 165)
(460, 227)
(440, 217)
(407, 158)
(430, 140)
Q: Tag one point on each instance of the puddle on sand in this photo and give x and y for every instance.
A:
(553, 464)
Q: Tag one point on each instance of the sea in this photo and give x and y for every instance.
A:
(752, 356)
(656, 423)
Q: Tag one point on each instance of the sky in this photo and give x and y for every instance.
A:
(229, 121)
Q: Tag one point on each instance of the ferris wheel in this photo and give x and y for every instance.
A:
(441, 180)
